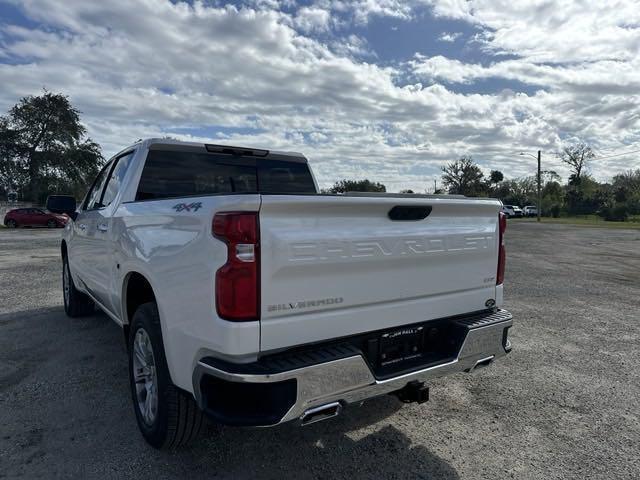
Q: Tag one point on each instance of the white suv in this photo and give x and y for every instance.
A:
(512, 211)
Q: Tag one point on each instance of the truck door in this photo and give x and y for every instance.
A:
(80, 248)
(101, 240)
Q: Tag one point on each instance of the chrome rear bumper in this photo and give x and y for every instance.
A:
(350, 380)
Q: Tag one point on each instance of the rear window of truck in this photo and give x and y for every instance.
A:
(171, 174)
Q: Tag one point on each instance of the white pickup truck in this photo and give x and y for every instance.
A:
(247, 297)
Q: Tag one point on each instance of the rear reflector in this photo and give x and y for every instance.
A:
(502, 222)
(238, 280)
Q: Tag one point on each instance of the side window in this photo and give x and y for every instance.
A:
(115, 180)
(93, 197)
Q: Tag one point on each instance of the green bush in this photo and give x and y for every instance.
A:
(617, 213)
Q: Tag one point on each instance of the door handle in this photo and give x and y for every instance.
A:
(102, 227)
(82, 226)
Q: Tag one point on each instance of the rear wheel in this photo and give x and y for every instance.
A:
(11, 223)
(167, 416)
(76, 303)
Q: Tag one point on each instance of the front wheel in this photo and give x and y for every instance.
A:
(52, 224)
(11, 223)
(167, 416)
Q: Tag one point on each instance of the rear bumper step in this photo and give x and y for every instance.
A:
(306, 384)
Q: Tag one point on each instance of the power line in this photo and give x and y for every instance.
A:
(616, 155)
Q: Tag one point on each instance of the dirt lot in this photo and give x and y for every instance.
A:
(564, 404)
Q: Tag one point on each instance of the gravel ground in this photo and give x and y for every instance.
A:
(564, 404)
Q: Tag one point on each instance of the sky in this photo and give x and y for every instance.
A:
(382, 89)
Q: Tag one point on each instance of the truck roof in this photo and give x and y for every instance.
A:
(215, 147)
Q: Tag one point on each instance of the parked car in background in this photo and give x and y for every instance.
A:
(34, 217)
(530, 211)
(512, 211)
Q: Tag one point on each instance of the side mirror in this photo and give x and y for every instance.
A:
(62, 204)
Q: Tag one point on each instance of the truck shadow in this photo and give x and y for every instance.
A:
(365, 442)
(361, 444)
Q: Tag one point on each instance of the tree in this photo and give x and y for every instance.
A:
(552, 198)
(626, 185)
(519, 191)
(495, 177)
(577, 157)
(344, 186)
(583, 195)
(43, 148)
(463, 177)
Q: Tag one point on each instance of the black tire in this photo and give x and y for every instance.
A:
(11, 223)
(52, 224)
(76, 303)
(177, 420)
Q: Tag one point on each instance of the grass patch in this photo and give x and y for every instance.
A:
(586, 221)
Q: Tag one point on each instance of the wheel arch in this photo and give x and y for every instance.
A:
(136, 290)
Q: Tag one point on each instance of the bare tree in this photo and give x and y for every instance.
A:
(577, 156)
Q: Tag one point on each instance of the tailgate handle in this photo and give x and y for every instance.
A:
(409, 212)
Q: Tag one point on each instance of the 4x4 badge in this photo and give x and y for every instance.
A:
(181, 207)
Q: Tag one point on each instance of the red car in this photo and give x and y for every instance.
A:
(34, 217)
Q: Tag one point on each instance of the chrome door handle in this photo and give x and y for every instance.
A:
(82, 226)
(102, 227)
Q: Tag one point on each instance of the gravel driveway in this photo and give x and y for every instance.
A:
(564, 404)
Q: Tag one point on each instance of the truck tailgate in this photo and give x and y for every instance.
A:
(333, 266)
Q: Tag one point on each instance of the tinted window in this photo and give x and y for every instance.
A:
(285, 177)
(93, 197)
(168, 174)
(115, 180)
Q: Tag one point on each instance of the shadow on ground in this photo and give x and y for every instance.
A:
(86, 427)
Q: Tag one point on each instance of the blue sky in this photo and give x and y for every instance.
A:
(385, 89)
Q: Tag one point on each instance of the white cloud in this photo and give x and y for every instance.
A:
(361, 11)
(263, 78)
(312, 19)
(563, 31)
(449, 37)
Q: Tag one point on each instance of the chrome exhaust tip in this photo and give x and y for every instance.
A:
(323, 412)
(483, 362)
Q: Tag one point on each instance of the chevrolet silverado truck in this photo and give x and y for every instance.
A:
(249, 298)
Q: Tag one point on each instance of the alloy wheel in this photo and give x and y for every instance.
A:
(145, 377)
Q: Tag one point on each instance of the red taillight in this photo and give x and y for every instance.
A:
(238, 280)
(502, 257)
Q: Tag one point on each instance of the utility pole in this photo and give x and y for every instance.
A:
(539, 209)
(435, 185)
